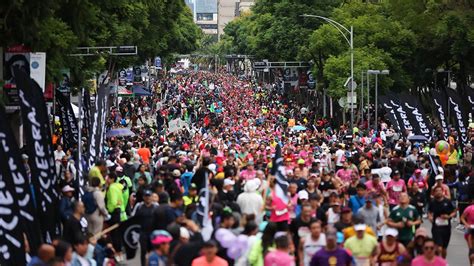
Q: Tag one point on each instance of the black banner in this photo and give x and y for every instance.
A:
(69, 126)
(470, 103)
(130, 231)
(40, 152)
(400, 113)
(11, 227)
(461, 119)
(97, 129)
(416, 115)
(390, 112)
(86, 110)
(440, 110)
(14, 170)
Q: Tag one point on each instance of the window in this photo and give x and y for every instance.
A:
(205, 16)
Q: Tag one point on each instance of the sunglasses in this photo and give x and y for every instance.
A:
(429, 247)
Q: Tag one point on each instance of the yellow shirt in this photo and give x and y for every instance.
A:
(95, 172)
(453, 158)
(361, 248)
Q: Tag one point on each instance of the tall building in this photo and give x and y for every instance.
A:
(205, 15)
(228, 10)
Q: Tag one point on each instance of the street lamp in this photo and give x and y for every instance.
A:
(343, 30)
(376, 73)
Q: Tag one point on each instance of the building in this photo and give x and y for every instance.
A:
(205, 15)
(228, 10)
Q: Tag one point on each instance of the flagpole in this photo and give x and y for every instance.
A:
(79, 143)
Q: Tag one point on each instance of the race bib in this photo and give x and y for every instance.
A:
(281, 212)
(397, 188)
(441, 222)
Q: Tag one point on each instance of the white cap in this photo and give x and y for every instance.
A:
(67, 188)
(228, 182)
(360, 227)
(109, 163)
(303, 194)
(439, 177)
(183, 233)
(391, 232)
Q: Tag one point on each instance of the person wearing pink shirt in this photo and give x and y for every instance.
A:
(394, 188)
(429, 257)
(375, 186)
(344, 173)
(249, 173)
(280, 256)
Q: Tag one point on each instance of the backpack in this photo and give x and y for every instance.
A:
(89, 202)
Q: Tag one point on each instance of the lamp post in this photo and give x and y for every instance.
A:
(376, 73)
(344, 31)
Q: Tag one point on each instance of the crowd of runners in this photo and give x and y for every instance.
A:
(205, 194)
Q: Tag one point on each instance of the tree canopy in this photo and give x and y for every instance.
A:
(158, 28)
(410, 38)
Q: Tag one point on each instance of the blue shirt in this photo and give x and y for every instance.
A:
(156, 260)
(355, 202)
(186, 181)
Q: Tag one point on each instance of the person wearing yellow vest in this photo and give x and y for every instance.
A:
(99, 170)
(192, 196)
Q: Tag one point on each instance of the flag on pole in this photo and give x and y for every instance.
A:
(40, 152)
(14, 170)
(278, 170)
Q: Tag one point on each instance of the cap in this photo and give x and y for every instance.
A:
(119, 169)
(421, 232)
(192, 186)
(228, 182)
(417, 171)
(303, 195)
(67, 188)
(109, 163)
(391, 232)
(250, 162)
(346, 210)
(439, 177)
(24, 156)
(360, 227)
(147, 193)
(176, 173)
(160, 237)
(300, 161)
(183, 233)
(317, 160)
(396, 172)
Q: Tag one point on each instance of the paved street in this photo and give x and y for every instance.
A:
(457, 250)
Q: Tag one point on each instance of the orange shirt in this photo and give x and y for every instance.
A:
(217, 261)
(145, 154)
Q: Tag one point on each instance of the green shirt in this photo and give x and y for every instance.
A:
(408, 214)
(114, 197)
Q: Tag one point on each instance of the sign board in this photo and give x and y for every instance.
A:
(38, 68)
(260, 65)
(351, 98)
(348, 83)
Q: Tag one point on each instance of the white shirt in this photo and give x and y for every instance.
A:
(339, 155)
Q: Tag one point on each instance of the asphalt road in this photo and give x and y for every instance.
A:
(457, 249)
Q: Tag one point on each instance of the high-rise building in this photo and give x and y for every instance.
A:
(205, 15)
(228, 10)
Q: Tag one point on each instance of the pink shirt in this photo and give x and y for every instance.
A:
(344, 175)
(247, 175)
(279, 258)
(280, 210)
(420, 261)
(469, 213)
(394, 188)
(217, 261)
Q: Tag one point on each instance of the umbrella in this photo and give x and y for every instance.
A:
(119, 132)
(122, 91)
(298, 128)
(418, 138)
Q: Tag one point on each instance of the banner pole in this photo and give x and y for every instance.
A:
(79, 143)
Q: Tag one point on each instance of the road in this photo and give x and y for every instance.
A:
(457, 249)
